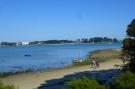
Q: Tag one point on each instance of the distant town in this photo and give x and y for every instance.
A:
(77, 41)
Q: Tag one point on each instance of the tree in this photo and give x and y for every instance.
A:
(131, 29)
(129, 47)
(115, 40)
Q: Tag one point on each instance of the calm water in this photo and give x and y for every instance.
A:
(12, 59)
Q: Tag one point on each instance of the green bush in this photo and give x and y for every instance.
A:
(125, 81)
(85, 83)
(3, 86)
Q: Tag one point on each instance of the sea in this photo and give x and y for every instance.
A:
(37, 58)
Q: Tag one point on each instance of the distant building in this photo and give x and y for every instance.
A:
(78, 41)
(25, 43)
(18, 43)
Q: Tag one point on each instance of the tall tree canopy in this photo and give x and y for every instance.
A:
(129, 47)
(131, 29)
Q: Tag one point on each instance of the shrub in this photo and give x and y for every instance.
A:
(85, 83)
(125, 81)
(3, 86)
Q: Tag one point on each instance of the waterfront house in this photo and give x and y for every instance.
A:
(25, 43)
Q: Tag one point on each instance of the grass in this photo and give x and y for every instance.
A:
(101, 56)
(3, 86)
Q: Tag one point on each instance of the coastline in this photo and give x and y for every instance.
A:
(86, 61)
(64, 44)
(30, 80)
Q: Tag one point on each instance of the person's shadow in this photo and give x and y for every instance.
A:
(105, 76)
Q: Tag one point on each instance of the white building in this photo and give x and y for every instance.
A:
(25, 43)
(18, 43)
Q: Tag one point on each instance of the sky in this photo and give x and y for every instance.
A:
(30, 20)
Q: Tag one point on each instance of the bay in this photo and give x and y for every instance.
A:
(12, 59)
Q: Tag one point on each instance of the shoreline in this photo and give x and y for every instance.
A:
(85, 61)
(36, 79)
(32, 80)
(62, 44)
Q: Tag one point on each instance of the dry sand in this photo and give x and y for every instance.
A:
(33, 80)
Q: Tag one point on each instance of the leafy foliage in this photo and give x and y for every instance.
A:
(85, 83)
(129, 47)
(2, 86)
(125, 81)
(131, 29)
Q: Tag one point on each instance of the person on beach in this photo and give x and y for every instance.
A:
(97, 64)
(94, 64)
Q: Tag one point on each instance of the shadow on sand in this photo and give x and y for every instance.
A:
(105, 76)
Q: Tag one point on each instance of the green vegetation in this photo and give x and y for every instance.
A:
(3, 86)
(101, 56)
(83, 40)
(125, 81)
(96, 39)
(105, 55)
(85, 83)
(128, 54)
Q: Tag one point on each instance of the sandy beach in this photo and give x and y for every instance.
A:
(33, 80)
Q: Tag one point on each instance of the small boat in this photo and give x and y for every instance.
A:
(27, 55)
(77, 61)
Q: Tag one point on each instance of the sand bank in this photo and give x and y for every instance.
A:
(33, 80)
